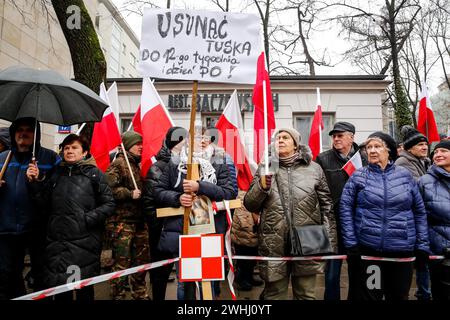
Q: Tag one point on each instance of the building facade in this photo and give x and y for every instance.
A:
(31, 36)
(357, 99)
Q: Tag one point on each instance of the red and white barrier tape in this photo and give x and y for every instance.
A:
(91, 281)
(334, 257)
(230, 275)
(113, 275)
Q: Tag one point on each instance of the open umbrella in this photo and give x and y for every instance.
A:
(48, 97)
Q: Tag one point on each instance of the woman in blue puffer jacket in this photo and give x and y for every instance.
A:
(383, 215)
(435, 189)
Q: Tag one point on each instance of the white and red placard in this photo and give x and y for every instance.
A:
(201, 258)
(199, 45)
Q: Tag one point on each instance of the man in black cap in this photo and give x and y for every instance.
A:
(414, 157)
(332, 162)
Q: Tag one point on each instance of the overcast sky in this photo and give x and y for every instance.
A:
(328, 39)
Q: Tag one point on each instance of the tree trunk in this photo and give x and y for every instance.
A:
(89, 64)
(308, 56)
(402, 113)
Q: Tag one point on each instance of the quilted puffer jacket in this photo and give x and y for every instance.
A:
(304, 189)
(435, 190)
(383, 211)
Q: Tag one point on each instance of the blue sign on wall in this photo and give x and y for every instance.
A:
(64, 129)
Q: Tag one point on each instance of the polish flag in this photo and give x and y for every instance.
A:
(426, 124)
(152, 120)
(262, 77)
(353, 164)
(315, 135)
(106, 135)
(230, 126)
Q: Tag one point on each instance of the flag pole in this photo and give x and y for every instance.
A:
(319, 103)
(129, 167)
(266, 138)
(80, 128)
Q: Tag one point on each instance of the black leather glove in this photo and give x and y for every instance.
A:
(421, 260)
(353, 254)
(446, 253)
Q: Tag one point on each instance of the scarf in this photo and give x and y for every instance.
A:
(289, 161)
(203, 158)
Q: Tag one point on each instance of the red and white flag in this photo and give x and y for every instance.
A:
(230, 127)
(262, 77)
(353, 164)
(426, 124)
(106, 135)
(201, 257)
(152, 120)
(315, 135)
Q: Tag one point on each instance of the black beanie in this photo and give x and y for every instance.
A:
(443, 144)
(390, 142)
(411, 137)
(174, 136)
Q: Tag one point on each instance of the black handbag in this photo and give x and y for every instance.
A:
(305, 240)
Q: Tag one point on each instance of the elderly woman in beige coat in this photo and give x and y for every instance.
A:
(303, 186)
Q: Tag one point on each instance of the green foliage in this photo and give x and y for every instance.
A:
(402, 112)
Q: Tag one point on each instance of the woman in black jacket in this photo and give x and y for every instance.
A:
(78, 200)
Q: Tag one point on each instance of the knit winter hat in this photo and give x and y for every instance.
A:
(292, 132)
(411, 137)
(174, 136)
(390, 142)
(130, 138)
(443, 144)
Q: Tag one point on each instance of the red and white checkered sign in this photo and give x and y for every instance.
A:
(201, 258)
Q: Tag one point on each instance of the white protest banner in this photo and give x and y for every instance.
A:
(199, 45)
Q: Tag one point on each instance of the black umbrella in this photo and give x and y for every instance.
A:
(48, 97)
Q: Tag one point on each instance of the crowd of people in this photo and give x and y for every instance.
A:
(60, 209)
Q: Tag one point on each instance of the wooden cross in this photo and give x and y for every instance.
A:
(193, 174)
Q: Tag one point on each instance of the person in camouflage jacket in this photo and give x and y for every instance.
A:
(128, 230)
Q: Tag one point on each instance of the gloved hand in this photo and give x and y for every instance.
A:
(353, 254)
(446, 253)
(268, 182)
(421, 259)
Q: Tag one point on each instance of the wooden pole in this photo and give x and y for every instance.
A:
(129, 166)
(5, 165)
(189, 175)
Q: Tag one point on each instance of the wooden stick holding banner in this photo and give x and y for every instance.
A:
(192, 169)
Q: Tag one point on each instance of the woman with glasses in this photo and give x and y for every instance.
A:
(382, 214)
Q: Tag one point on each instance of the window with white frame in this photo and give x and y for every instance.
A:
(302, 123)
(132, 60)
